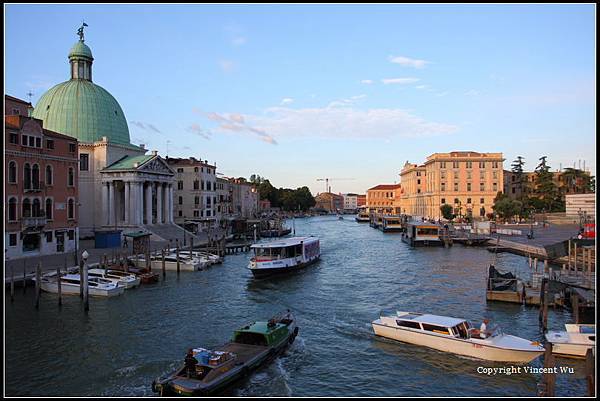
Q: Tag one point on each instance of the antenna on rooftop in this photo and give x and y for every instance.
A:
(168, 147)
(29, 95)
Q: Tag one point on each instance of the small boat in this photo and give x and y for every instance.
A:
(575, 341)
(208, 257)
(422, 234)
(340, 217)
(127, 280)
(69, 284)
(283, 256)
(453, 335)
(186, 263)
(251, 346)
(362, 217)
(145, 275)
(390, 223)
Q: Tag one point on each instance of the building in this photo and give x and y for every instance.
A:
(361, 200)
(224, 198)
(14, 106)
(581, 205)
(384, 198)
(244, 199)
(195, 192)
(567, 181)
(469, 181)
(350, 202)
(119, 186)
(41, 188)
(329, 201)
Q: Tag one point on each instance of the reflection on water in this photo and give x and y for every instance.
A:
(125, 342)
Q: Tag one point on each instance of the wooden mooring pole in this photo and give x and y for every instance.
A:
(590, 374)
(81, 264)
(164, 273)
(191, 246)
(86, 303)
(544, 304)
(549, 378)
(24, 276)
(38, 287)
(59, 285)
(177, 256)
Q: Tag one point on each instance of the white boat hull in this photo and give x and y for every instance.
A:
(184, 265)
(576, 350)
(72, 289)
(453, 345)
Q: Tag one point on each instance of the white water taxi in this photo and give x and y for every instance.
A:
(69, 284)
(453, 335)
(123, 279)
(575, 341)
(284, 256)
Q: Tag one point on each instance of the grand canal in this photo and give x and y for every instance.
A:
(122, 344)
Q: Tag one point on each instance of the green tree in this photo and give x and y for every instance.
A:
(517, 169)
(507, 208)
(546, 190)
(446, 210)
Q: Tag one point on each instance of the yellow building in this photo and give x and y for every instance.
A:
(384, 198)
(469, 181)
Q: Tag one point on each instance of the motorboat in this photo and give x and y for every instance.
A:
(127, 280)
(362, 217)
(70, 283)
(251, 346)
(210, 258)
(456, 336)
(283, 256)
(575, 341)
(186, 263)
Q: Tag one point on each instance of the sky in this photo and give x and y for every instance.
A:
(297, 93)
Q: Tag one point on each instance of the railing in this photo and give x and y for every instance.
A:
(33, 221)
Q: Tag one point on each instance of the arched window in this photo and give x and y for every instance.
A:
(12, 172)
(35, 176)
(71, 209)
(27, 176)
(71, 177)
(26, 208)
(49, 209)
(49, 175)
(12, 209)
(36, 210)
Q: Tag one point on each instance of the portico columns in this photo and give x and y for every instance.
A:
(159, 205)
(170, 196)
(111, 203)
(149, 203)
(127, 204)
(105, 204)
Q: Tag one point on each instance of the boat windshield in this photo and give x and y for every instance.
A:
(279, 253)
(461, 330)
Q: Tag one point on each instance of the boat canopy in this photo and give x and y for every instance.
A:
(431, 319)
(286, 242)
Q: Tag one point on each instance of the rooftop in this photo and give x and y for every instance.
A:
(385, 186)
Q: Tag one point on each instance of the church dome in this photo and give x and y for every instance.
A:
(80, 108)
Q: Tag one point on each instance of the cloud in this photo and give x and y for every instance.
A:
(346, 102)
(367, 81)
(226, 65)
(408, 62)
(286, 100)
(236, 122)
(345, 122)
(422, 86)
(198, 130)
(401, 81)
(146, 127)
(238, 40)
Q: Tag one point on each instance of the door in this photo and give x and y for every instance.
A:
(60, 241)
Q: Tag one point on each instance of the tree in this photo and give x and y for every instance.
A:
(545, 188)
(446, 210)
(517, 168)
(507, 208)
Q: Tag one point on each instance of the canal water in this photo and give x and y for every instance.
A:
(123, 343)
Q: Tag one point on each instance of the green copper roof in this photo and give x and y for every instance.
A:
(128, 162)
(80, 49)
(84, 110)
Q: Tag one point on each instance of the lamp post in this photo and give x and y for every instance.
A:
(84, 281)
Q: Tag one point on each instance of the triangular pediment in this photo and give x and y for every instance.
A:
(156, 165)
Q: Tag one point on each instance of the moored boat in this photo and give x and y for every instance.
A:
(574, 342)
(454, 335)
(186, 263)
(283, 256)
(362, 217)
(422, 234)
(69, 284)
(251, 346)
(127, 280)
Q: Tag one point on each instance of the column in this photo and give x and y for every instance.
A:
(138, 205)
(127, 203)
(159, 200)
(149, 203)
(111, 203)
(105, 204)
(171, 203)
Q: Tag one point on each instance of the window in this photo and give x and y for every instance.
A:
(481, 200)
(180, 170)
(71, 235)
(443, 200)
(469, 164)
(12, 209)
(49, 144)
(443, 187)
(456, 186)
(72, 148)
(48, 236)
(454, 164)
(481, 187)
(468, 187)
(407, 323)
(71, 209)
(468, 200)
(12, 172)
(35, 176)
(195, 169)
(31, 141)
(27, 176)
(442, 164)
(495, 175)
(84, 162)
(180, 185)
(48, 174)
(434, 328)
(418, 182)
(14, 138)
(196, 200)
(181, 200)
(71, 177)
(481, 164)
(24, 140)
(513, 190)
(180, 213)
(196, 184)
(208, 186)
(456, 200)
(26, 208)
(495, 186)
(482, 175)
(12, 240)
(49, 209)
(196, 213)
(494, 164)
(469, 175)
(38, 142)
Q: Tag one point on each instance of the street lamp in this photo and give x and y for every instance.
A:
(85, 255)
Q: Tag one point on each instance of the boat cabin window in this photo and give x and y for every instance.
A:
(412, 325)
(461, 330)
(280, 253)
(250, 338)
(427, 231)
(435, 328)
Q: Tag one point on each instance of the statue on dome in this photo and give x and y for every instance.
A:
(80, 32)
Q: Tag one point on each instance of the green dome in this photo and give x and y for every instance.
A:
(80, 49)
(84, 110)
